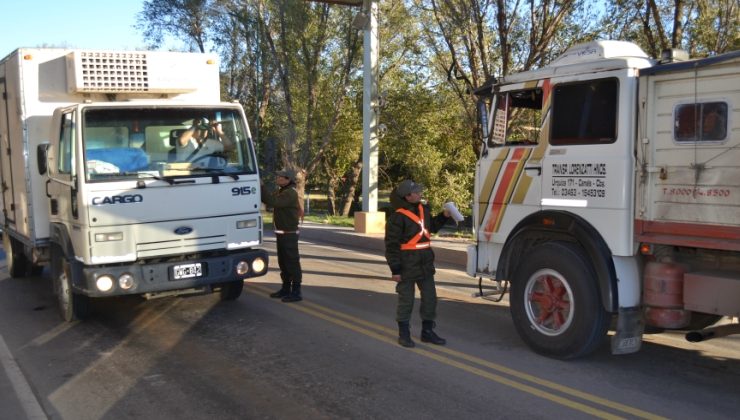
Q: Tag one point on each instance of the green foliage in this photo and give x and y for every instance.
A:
(704, 27)
(296, 66)
(427, 141)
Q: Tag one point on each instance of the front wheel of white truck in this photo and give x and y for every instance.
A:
(555, 302)
(72, 306)
(231, 290)
(14, 257)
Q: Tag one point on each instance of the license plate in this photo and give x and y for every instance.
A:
(186, 271)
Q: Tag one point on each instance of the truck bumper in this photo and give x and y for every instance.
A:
(197, 273)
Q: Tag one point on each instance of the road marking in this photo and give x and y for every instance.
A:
(388, 335)
(22, 389)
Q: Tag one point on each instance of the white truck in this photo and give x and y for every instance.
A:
(125, 173)
(608, 189)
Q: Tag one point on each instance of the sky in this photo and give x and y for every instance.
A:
(87, 24)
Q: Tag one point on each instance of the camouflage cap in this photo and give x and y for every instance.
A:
(407, 187)
(286, 173)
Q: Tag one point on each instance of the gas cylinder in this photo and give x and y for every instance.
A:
(663, 295)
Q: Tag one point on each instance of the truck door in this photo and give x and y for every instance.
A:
(62, 183)
(588, 170)
(508, 176)
(5, 161)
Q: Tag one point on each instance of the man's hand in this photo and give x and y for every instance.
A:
(218, 129)
(396, 278)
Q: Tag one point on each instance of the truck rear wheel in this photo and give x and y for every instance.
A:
(232, 290)
(555, 302)
(72, 306)
(14, 256)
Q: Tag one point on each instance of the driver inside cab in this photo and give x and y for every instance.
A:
(198, 142)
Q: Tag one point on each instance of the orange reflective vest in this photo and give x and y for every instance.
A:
(414, 243)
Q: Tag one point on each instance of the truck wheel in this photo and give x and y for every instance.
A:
(232, 290)
(14, 256)
(72, 306)
(35, 270)
(555, 302)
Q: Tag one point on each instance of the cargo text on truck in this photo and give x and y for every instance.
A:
(93, 184)
(609, 187)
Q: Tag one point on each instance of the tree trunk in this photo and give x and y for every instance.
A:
(351, 186)
(331, 194)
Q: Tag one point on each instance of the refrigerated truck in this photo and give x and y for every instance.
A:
(105, 180)
(608, 189)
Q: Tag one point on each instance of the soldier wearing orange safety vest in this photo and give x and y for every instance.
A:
(411, 259)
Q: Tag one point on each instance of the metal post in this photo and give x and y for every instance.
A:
(370, 110)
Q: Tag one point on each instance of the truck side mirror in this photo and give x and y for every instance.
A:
(42, 153)
(483, 120)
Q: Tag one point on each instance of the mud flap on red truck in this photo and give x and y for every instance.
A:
(628, 336)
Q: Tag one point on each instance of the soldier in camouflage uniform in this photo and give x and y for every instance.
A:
(287, 212)
(411, 259)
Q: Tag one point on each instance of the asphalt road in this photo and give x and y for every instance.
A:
(334, 355)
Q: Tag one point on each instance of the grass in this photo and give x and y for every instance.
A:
(331, 220)
(315, 218)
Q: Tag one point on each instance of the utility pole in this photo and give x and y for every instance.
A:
(369, 220)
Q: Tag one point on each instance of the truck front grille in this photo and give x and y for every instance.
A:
(180, 246)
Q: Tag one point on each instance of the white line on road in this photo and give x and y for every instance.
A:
(22, 389)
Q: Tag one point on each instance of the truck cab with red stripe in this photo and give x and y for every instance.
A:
(596, 172)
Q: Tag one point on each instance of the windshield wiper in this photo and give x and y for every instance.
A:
(140, 184)
(216, 172)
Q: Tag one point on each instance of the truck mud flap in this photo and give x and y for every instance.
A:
(628, 336)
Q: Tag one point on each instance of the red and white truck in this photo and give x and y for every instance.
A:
(609, 187)
(104, 179)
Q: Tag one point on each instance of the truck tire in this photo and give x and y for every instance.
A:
(555, 302)
(14, 257)
(232, 290)
(72, 306)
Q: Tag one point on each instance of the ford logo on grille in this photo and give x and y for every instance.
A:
(183, 230)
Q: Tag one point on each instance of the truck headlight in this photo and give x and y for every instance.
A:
(243, 224)
(258, 265)
(104, 283)
(126, 281)
(242, 268)
(110, 236)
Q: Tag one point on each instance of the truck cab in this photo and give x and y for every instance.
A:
(573, 209)
(143, 183)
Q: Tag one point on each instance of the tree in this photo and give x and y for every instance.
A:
(704, 27)
(473, 40)
(314, 51)
(183, 19)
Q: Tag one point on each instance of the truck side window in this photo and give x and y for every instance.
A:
(695, 122)
(517, 118)
(585, 112)
(66, 144)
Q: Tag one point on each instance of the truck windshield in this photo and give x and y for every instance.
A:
(130, 143)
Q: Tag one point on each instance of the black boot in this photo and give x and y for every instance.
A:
(429, 336)
(404, 335)
(284, 291)
(294, 295)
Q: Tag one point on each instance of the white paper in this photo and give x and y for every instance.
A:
(454, 212)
